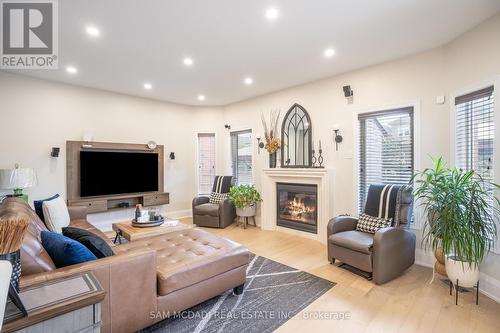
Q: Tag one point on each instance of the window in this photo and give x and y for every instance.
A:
(474, 132)
(386, 149)
(206, 162)
(241, 156)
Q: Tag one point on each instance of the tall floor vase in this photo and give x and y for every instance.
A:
(272, 160)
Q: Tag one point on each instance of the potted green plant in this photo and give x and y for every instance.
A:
(462, 211)
(245, 199)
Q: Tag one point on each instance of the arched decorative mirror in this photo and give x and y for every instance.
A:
(296, 138)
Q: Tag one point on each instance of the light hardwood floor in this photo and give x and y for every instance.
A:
(407, 304)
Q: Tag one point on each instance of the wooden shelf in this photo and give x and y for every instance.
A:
(110, 202)
(102, 204)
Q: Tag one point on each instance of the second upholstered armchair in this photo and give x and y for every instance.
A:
(386, 253)
(216, 210)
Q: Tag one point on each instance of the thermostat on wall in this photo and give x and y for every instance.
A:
(440, 99)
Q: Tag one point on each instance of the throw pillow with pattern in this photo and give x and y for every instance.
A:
(371, 224)
(217, 198)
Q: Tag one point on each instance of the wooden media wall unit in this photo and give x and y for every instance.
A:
(105, 203)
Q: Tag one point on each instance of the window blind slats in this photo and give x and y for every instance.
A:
(206, 162)
(386, 149)
(475, 132)
(241, 156)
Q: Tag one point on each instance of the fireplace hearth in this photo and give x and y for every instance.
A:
(297, 206)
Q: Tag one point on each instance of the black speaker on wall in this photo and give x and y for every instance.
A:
(348, 92)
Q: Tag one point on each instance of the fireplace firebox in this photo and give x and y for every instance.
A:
(297, 206)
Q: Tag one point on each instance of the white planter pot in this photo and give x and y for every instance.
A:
(247, 211)
(466, 274)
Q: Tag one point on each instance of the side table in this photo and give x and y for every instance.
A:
(69, 304)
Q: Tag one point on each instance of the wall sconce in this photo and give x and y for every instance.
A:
(55, 152)
(227, 126)
(260, 145)
(338, 137)
(172, 155)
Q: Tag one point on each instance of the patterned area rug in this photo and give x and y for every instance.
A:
(273, 294)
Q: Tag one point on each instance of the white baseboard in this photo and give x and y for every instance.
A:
(179, 214)
(424, 258)
(488, 285)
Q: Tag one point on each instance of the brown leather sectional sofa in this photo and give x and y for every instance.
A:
(158, 275)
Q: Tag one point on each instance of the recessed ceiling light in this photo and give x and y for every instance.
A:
(329, 53)
(248, 81)
(148, 86)
(188, 61)
(71, 70)
(272, 14)
(201, 97)
(92, 31)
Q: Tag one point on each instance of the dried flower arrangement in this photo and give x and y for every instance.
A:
(273, 143)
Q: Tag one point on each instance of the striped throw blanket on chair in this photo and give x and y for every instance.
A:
(382, 201)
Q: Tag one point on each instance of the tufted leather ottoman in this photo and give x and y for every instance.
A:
(187, 257)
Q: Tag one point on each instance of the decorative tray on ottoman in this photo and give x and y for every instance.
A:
(147, 224)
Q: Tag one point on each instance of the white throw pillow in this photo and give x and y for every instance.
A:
(56, 214)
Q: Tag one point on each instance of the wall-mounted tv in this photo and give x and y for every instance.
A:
(117, 172)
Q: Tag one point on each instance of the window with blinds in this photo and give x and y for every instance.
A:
(475, 132)
(386, 149)
(206, 162)
(241, 157)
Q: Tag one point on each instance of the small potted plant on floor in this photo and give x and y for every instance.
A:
(245, 199)
(463, 211)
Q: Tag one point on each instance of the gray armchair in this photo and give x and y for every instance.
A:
(215, 215)
(386, 254)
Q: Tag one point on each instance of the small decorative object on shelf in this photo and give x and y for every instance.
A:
(137, 212)
(151, 145)
(320, 157)
(273, 143)
(11, 237)
(272, 160)
(313, 158)
(148, 218)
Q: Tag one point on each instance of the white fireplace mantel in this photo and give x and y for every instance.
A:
(323, 178)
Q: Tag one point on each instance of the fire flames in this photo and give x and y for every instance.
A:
(298, 210)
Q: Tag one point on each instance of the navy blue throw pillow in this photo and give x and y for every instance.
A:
(39, 206)
(94, 243)
(65, 251)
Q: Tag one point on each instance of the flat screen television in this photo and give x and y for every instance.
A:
(117, 172)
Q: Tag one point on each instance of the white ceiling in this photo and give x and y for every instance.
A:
(146, 41)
